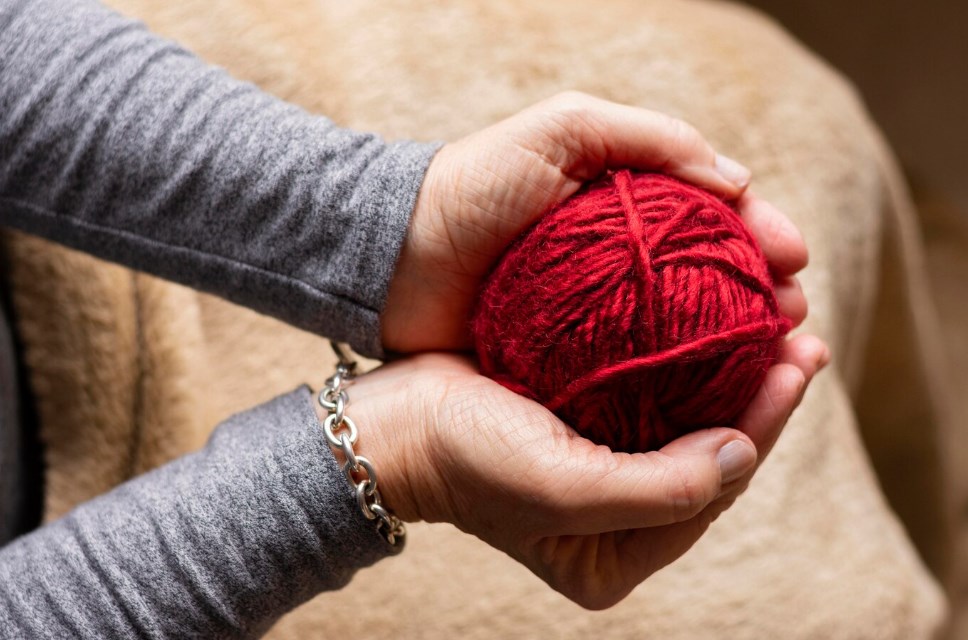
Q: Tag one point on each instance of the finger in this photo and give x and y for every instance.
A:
(623, 491)
(780, 240)
(806, 352)
(645, 551)
(610, 492)
(790, 299)
(782, 391)
(614, 135)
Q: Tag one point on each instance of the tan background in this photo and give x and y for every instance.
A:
(909, 61)
(812, 550)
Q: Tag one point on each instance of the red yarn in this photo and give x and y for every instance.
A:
(637, 310)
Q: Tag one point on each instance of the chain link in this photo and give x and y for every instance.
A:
(341, 434)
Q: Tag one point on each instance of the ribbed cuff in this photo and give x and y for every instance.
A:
(385, 197)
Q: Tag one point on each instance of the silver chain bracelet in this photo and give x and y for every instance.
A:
(341, 433)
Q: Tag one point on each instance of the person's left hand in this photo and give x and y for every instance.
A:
(451, 445)
(482, 191)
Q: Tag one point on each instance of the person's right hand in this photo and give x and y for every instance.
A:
(451, 445)
(483, 191)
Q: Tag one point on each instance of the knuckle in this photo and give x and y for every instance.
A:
(574, 110)
(786, 389)
(687, 494)
(570, 99)
(775, 231)
(684, 142)
(686, 133)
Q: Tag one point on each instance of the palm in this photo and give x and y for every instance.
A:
(590, 522)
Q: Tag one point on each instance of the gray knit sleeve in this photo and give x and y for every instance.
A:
(218, 544)
(122, 144)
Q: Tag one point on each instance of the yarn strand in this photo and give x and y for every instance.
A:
(637, 310)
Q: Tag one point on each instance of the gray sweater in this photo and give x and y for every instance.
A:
(124, 145)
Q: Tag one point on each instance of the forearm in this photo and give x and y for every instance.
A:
(219, 543)
(122, 144)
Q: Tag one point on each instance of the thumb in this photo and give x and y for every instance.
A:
(617, 491)
(612, 135)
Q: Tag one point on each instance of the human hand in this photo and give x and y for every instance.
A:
(482, 191)
(451, 445)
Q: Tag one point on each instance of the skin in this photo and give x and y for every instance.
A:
(482, 191)
(453, 446)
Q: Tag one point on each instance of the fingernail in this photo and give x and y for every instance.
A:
(735, 459)
(733, 171)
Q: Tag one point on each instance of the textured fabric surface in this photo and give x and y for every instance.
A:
(812, 550)
(946, 236)
(216, 544)
(638, 310)
(124, 145)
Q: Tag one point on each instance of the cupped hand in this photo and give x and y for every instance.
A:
(482, 191)
(451, 445)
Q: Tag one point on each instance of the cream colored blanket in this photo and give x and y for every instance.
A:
(130, 371)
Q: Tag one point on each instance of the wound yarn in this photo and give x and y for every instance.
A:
(637, 310)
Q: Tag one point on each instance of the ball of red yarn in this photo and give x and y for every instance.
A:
(637, 310)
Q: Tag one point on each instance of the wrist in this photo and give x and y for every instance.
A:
(380, 440)
(429, 297)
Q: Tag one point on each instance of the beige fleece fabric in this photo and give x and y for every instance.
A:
(130, 371)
